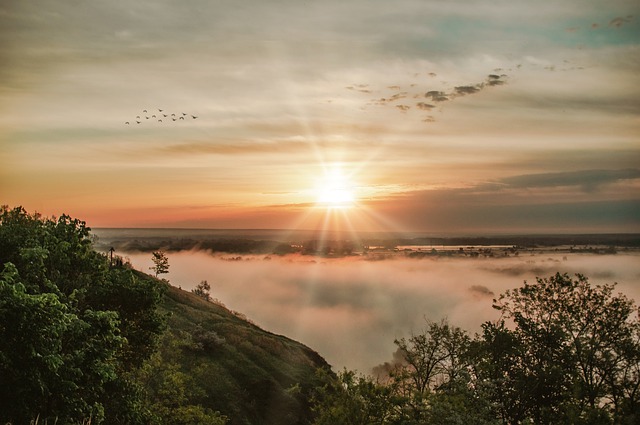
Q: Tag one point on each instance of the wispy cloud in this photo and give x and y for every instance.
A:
(620, 21)
(587, 180)
(557, 202)
(410, 95)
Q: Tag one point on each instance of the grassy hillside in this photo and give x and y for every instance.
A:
(211, 359)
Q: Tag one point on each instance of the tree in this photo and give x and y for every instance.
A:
(428, 385)
(160, 263)
(37, 367)
(202, 290)
(572, 355)
(435, 357)
(71, 327)
(433, 361)
(563, 351)
(354, 400)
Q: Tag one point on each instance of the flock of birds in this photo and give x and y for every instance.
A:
(160, 117)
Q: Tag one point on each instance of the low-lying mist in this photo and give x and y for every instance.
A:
(350, 310)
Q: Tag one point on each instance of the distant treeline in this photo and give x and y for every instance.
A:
(233, 246)
(533, 241)
(347, 247)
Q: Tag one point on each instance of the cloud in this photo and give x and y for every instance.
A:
(620, 21)
(414, 87)
(351, 310)
(234, 148)
(436, 96)
(496, 80)
(260, 76)
(425, 106)
(481, 290)
(546, 202)
(588, 180)
(463, 90)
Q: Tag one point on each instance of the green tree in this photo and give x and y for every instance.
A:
(174, 394)
(572, 356)
(160, 263)
(352, 399)
(434, 362)
(433, 358)
(563, 351)
(429, 385)
(72, 329)
(48, 352)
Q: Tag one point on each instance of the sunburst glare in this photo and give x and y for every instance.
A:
(335, 189)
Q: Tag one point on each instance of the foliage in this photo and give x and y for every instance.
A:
(563, 351)
(202, 290)
(79, 342)
(210, 360)
(352, 399)
(160, 263)
(174, 394)
(72, 328)
(574, 346)
(434, 358)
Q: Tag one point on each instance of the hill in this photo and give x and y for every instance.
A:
(86, 339)
(213, 359)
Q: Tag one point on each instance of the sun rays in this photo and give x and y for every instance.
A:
(335, 189)
(341, 207)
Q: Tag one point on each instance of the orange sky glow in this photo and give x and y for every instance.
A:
(366, 116)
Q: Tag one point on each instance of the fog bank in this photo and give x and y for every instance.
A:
(350, 310)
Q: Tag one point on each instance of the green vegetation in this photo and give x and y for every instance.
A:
(86, 339)
(160, 263)
(210, 356)
(202, 290)
(564, 352)
(73, 330)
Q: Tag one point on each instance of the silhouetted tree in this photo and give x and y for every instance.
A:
(160, 263)
(202, 290)
(563, 351)
(572, 357)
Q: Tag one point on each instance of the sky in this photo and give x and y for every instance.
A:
(440, 116)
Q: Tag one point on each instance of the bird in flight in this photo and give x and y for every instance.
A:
(159, 117)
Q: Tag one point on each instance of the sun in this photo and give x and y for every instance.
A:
(334, 189)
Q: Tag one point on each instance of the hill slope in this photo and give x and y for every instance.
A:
(212, 358)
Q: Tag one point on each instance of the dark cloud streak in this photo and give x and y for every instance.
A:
(435, 96)
(588, 180)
